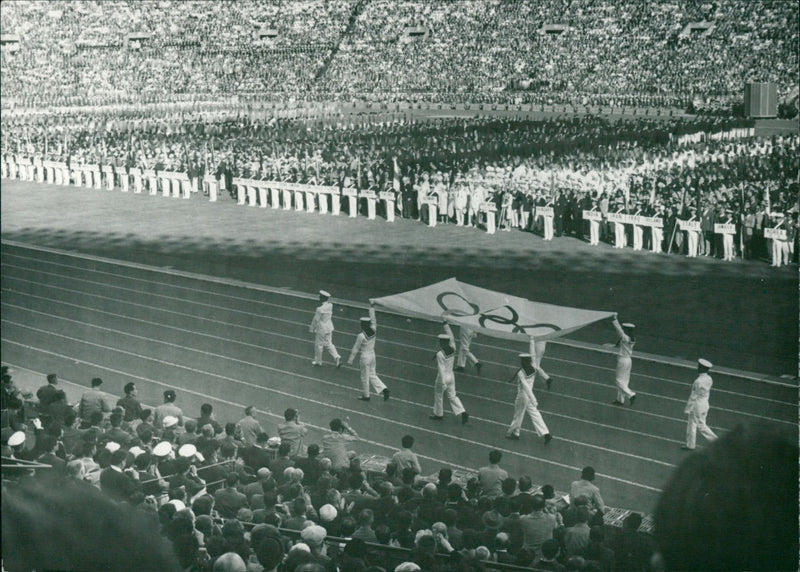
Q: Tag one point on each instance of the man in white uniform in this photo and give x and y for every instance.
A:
(697, 407)
(465, 337)
(526, 401)
(622, 375)
(446, 379)
(322, 327)
(365, 343)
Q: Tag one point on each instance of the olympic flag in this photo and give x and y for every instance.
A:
(488, 312)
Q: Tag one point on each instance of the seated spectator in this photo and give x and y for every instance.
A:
(585, 486)
(537, 525)
(130, 402)
(228, 500)
(291, 432)
(491, 476)
(576, 537)
(405, 457)
(248, 428)
(549, 559)
(598, 552)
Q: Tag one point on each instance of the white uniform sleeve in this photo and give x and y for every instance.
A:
(356, 348)
(372, 321)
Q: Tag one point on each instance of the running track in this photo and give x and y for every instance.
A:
(233, 344)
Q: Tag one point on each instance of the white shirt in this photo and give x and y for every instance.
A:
(322, 324)
(698, 400)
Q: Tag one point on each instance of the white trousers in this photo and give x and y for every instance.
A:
(623, 377)
(691, 239)
(523, 406)
(658, 237)
(369, 375)
(442, 388)
(727, 247)
(324, 341)
(464, 354)
(548, 227)
(638, 237)
(620, 240)
(778, 252)
(697, 422)
(594, 232)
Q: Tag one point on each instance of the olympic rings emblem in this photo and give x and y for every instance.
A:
(507, 315)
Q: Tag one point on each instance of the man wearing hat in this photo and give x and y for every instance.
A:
(697, 406)
(622, 374)
(322, 327)
(365, 343)
(314, 537)
(526, 401)
(446, 379)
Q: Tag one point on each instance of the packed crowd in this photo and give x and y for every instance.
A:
(710, 170)
(607, 53)
(179, 492)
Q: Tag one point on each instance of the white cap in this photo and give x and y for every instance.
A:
(705, 363)
(628, 325)
(523, 356)
(162, 449)
(274, 442)
(444, 337)
(187, 450)
(112, 446)
(328, 512)
(170, 421)
(16, 439)
(178, 504)
(324, 293)
(136, 451)
(366, 320)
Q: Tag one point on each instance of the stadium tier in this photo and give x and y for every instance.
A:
(662, 53)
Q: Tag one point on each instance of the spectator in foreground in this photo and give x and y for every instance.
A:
(123, 539)
(712, 514)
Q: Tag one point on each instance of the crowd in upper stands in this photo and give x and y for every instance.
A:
(612, 53)
(157, 488)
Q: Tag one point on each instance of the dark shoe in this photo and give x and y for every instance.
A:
(549, 383)
(478, 367)
(338, 362)
(436, 417)
(632, 399)
(464, 418)
(512, 437)
(619, 403)
(385, 393)
(548, 438)
(458, 368)
(685, 448)
(362, 398)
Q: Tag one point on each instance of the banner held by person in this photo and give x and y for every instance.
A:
(488, 312)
